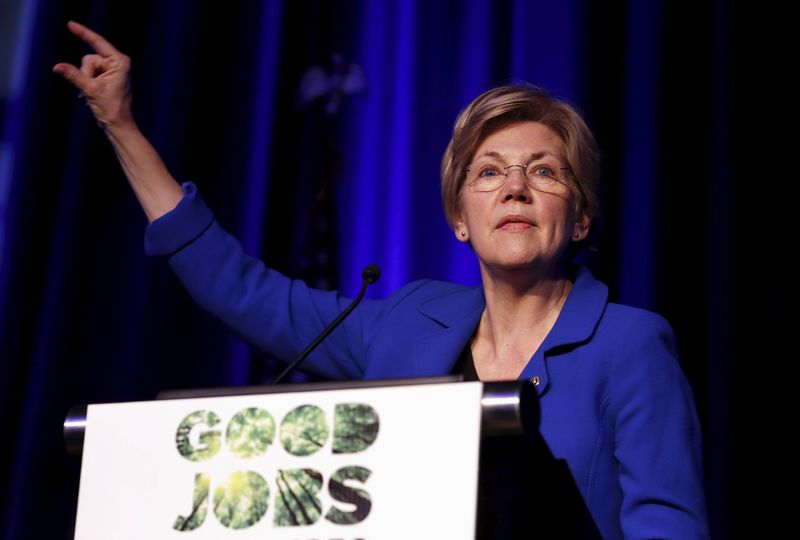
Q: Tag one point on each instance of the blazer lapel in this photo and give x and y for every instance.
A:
(457, 314)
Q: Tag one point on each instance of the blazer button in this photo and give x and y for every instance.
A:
(536, 380)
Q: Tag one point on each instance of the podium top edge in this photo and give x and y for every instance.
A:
(302, 387)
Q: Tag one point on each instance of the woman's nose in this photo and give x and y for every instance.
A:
(516, 184)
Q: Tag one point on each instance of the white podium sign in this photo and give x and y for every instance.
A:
(386, 463)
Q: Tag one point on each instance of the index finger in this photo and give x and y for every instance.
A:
(100, 44)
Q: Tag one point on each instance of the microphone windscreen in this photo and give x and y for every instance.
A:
(371, 274)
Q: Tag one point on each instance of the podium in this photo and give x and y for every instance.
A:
(429, 457)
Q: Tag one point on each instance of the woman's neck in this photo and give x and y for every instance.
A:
(520, 311)
(517, 307)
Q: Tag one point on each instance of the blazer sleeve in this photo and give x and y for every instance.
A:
(270, 311)
(658, 442)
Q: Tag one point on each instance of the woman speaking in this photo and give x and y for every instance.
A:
(519, 185)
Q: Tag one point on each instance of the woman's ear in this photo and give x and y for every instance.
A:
(580, 230)
(461, 232)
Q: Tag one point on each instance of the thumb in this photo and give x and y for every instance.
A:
(73, 75)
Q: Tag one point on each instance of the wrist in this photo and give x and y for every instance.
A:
(121, 129)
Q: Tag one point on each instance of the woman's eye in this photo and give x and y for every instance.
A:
(542, 170)
(488, 172)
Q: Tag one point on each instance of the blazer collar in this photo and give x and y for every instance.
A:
(581, 313)
(459, 312)
(452, 308)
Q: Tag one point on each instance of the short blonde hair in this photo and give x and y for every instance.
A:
(509, 104)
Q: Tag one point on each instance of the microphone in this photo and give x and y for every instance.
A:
(369, 276)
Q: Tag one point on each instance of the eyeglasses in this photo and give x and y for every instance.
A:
(486, 176)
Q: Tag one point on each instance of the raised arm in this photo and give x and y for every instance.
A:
(103, 79)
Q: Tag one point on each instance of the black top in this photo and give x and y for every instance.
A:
(465, 365)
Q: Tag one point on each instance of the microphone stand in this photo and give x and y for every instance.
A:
(370, 275)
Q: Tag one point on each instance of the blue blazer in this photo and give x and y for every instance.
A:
(615, 403)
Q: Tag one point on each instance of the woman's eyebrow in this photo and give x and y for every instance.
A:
(531, 157)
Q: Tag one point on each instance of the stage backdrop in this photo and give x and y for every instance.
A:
(314, 131)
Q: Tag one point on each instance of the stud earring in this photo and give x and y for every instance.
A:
(463, 233)
(576, 235)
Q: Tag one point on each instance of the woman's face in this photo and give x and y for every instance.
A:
(519, 225)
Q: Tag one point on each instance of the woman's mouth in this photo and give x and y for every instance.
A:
(514, 222)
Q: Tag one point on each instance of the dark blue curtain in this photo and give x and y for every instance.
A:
(319, 184)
